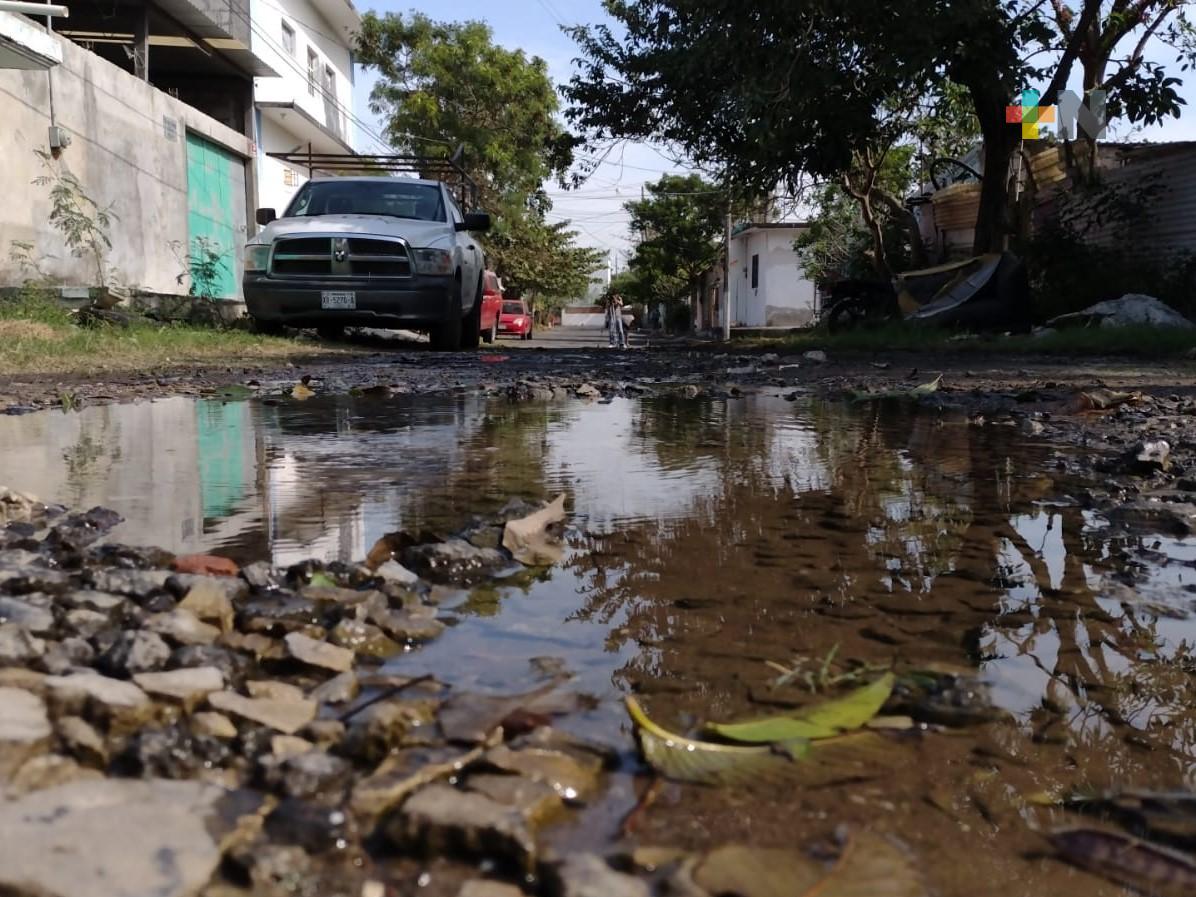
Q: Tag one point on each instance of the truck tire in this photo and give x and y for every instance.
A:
(446, 337)
(471, 327)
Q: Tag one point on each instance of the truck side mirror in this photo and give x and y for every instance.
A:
(265, 216)
(475, 221)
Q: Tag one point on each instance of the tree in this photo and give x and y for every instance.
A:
(770, 91)
(538, 259)
(677, 224)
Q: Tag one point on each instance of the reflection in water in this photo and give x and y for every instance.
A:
(713, 537)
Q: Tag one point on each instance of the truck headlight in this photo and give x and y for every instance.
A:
(433, 261)
(257, 257)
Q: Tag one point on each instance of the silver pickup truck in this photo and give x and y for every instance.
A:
(369, 252)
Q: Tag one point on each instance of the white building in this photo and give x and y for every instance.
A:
(768, 286)
(309, 43)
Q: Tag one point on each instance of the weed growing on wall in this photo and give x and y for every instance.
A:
(82, 221)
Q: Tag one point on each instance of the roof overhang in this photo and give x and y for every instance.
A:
(296, 120)
(24, 45)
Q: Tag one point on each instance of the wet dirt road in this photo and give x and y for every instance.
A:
(717, 541)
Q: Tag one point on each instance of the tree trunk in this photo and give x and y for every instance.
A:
(1000, 144)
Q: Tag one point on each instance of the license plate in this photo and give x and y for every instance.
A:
(330, 299)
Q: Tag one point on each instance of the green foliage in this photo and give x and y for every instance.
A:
(34, 303)
(82, 221)
(204, 264)
(537, 258)
(678, 224)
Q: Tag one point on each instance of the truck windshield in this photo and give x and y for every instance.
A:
(512, 308)
(422, 202)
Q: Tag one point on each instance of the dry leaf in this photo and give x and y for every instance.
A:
(528, 538)
(302, 392)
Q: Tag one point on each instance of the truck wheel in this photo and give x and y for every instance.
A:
(446, 337)
(471, 327)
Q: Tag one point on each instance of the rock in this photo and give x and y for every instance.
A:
(319, 654)
(587, 875)
(536, 801)
(75, 839)
(85, 623)
(338, 690)
(279, 613)
(261, 575)
(314, 827)
(95, 697)
(24, 729)
(25, 579)
(384, 726)
(287, 716)
(365, 640)
(325, 733)
(205, 565)
(308, 774)
(480, 887)
(29, 680)
(46, 771)
(276, 869)
(172, 753)
(18, 646)
(587, 391)
(815, 355)
(213, 725)
(443, 820)
(182, 627)
(18, 506)
(82, 741)
(34, 619)
(410, 626)
(211, 602)
(393, 571)
(188, 686)
(571, 778)
(283, 746)
(135, 651)
(335, 595)
(403, 773)
(1132, 309)
(273, 689)
(232, 665)
(472, 718)
(68, 655)
(454, 560)
(139, 585)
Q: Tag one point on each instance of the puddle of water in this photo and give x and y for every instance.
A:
(718, 536)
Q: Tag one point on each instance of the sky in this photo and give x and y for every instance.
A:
(596, 210)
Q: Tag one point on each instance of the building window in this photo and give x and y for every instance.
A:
(288, 38)
(755, 271)
(313, 71)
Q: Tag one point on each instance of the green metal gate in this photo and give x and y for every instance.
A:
(210, 209)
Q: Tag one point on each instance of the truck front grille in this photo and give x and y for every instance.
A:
(361, 257)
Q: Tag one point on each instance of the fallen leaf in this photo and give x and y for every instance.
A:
(493, 359)
(1128, 861)
(924, 389)
(823, 720)
(301, 392)
(1104, 399)
(528, 538)
(204, 565)
(386, 548)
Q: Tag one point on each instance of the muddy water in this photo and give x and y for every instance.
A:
(716, 544)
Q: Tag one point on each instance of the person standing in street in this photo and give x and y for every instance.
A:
(614, 322)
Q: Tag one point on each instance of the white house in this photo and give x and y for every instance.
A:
(768, 286)
(309, 44)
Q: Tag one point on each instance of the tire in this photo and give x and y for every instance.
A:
(471, 326)
(331, 334)
(446, 337)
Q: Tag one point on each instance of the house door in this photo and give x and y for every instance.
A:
(213, 176)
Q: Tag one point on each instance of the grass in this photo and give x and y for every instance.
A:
(1141, 342)
(38, 336)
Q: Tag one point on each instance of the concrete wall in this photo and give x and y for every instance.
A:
(783, 296)
(128, 149)
(276, 180)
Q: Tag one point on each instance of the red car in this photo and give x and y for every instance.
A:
(515, 319)
(491, 306)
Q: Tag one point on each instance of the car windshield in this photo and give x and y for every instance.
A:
(396, 199)
(512, 308)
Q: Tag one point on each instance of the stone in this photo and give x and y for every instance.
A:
(364, 640)
(276, 869)
(569, 777)
(139, 585)
(212, 725)
(536, 802)
(46, 771)
(75, 839)
(260, 646)
(96, 697)
(338, 690)
(279, 613)
(172, 752)
(232, 665)
(588, 875)
(393, 571)
(85, 623)
(403, 773)
(442, 820)
(82, 741)
(286, 716)
(314, 827)
(410, 626)
(24, 729)
(182, 627)
(319, 654)
(18, 646)
(89, 599)
(24, 580)
(454, 561)
(272, 688)
(480, 887)
(187, 686)
(335, 595)
(283, 746)
(34, 619)
(211, 602)
(261, 575)
(135, 651)
(18, 506)
(28, 680)
(307, 775)
(384, 726)
(67, 655)
(587, 391)
(205, 565)
(815, 355)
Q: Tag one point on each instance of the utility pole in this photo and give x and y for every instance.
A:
(727, 276)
